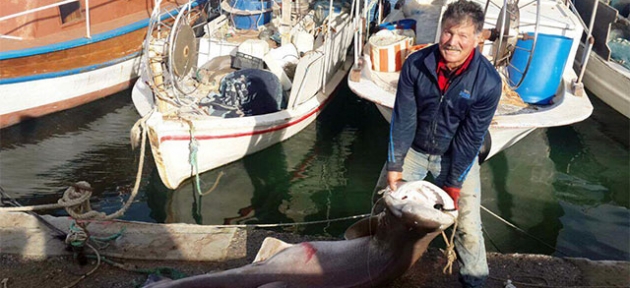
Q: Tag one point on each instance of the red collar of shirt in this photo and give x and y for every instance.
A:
(444, 75)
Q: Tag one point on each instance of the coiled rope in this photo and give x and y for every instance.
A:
(76, 201)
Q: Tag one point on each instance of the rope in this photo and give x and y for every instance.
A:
(6, 199)
(214, 186)
(291, 224)
(67, 202)
(522, 231)
(78, 235)
(98, 264)
(450, 254)
(490, 239)
(192, 158)
(76, 199)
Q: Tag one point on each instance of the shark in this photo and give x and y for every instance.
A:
(375, 250)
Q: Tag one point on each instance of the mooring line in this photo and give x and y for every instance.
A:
(291, 224)
(76, 199)
(521, 230)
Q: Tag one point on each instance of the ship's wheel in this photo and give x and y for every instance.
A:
(170, 49)
(509, 30)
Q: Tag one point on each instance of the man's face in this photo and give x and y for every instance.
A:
(457, 41)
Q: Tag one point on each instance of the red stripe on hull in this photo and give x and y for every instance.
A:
(244, 134)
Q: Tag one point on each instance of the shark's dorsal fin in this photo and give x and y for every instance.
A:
(364, 227)
(270, 246)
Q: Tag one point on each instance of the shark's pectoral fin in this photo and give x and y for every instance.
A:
(364, 227)
(275, 285)
(270, 246)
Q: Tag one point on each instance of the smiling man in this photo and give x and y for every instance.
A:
(446, 98)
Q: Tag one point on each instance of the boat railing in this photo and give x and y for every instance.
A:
(328, 46)
(87, 16)
(590, 40)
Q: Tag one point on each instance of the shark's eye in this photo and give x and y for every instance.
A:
(404, 197)
(438, 206)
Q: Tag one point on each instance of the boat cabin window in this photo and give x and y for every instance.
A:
(70, 12)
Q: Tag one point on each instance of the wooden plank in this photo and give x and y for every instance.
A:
(73, 58)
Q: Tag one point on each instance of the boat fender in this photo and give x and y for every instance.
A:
(485, 148)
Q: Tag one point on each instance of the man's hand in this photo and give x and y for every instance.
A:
(454, 193)
(393, 177)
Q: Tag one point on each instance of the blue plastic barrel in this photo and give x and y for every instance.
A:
(251, 21)
(251, 5)
(400, 24)
(545, 71)
(324, 7)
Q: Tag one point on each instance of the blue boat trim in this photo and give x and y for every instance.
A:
(69, 72)
(82, 41)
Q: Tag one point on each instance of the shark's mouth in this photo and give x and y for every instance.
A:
(423, 201)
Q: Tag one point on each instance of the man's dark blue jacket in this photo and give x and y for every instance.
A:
(453, 124)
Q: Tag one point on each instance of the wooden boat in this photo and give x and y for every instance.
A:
(607, 73)
(208, 100)
(55, 55)
(547, 21)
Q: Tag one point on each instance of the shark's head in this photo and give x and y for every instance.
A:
(421, 205)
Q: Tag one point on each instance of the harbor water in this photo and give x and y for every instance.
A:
(561, 191)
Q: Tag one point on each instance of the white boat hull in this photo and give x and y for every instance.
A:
(506, 128)
(220, 141)
(502, 138)
(31, 99)
(610, 82)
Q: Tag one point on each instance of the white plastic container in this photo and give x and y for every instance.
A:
(254, 47)
(303, 41)
(388, 50)
(279, 57)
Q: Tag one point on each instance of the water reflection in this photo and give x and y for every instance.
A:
(522, 193)
(593, 232)
(567, 186)
(41, 157)
(592, 186)
(306, 178)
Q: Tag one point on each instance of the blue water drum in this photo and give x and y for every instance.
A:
(324, 6)
(251, 20)
(545, 71)
(400, 24)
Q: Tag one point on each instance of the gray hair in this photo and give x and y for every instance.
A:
(461, 10)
